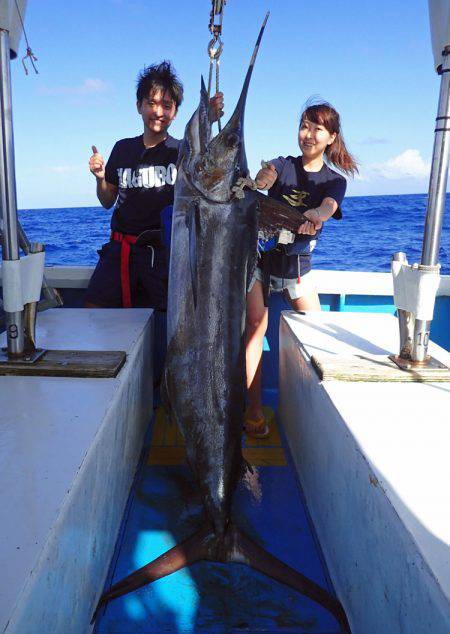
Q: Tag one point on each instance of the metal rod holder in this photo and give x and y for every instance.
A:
(436, 199)
(10, 243)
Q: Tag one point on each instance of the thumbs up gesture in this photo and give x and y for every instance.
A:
(266, 176)
(97, 164)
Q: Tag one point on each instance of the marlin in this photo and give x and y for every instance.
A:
(213, 256)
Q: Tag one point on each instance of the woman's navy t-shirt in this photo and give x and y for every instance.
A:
(302, 190)
(145, 178)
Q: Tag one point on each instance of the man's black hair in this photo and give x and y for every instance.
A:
(159, 77)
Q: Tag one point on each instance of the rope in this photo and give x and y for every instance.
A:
(215, 46)
(29, 54)
(211, 64)
(217, 90)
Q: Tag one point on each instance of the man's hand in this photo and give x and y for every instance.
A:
(216, 107)
(266, 176)
(97, 164)
(106, 192)
(313, 225)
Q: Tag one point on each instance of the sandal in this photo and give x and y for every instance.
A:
(256, 428)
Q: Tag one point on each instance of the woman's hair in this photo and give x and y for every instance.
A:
(337, 154)
(159, 77)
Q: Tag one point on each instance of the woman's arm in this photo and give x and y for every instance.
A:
(318, 216)
(326, 209)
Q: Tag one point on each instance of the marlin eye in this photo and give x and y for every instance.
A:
(232, 140)
(199, 167)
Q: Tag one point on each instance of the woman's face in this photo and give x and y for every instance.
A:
(314, 138)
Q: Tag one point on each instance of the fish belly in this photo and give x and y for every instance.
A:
(205, 365)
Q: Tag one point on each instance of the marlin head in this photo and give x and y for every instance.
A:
(213, 166)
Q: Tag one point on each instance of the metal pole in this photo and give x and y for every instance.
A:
(10, 251)
(436, 199)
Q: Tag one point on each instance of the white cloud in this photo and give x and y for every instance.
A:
(408, 164)
(406, 173)
(88, 87)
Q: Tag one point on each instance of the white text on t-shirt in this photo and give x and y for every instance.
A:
(151, 176)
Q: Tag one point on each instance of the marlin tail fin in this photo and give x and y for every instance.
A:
(233, 547)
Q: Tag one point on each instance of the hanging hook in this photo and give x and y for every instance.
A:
(31, 56)
(215, 48)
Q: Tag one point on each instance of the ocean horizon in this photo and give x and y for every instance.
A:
(372, 229)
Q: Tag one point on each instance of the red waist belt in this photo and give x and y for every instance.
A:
(127, 241)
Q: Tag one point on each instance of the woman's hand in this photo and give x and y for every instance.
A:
(314, 223)
(266, 176)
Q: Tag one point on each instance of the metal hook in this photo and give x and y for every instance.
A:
(213, 51)
(30, 55)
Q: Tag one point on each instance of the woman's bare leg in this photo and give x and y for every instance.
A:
(257, 320)
(307, 302)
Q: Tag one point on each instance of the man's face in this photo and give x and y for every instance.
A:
(157, 110)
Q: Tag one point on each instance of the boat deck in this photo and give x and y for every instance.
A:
(68, 454)
(208, 597)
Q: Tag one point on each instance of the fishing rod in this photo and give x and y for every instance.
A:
(416, 286)
(22, 278)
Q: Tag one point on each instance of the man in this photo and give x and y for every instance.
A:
(139, 177)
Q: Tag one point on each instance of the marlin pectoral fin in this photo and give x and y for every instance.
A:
(275, 215)
(193, 222)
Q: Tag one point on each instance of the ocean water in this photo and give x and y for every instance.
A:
(372, 229)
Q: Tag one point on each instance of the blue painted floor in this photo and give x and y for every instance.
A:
(210, 597)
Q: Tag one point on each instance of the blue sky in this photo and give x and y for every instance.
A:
(372, 61)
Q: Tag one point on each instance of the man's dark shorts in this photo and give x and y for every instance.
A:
(148, 283)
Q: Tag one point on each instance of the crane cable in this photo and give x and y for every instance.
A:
(215, 46)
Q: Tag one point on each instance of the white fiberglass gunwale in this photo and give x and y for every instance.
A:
(327, 281)
(373, 461)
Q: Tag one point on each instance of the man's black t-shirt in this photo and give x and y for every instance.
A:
(302, 190)
(145, 178)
